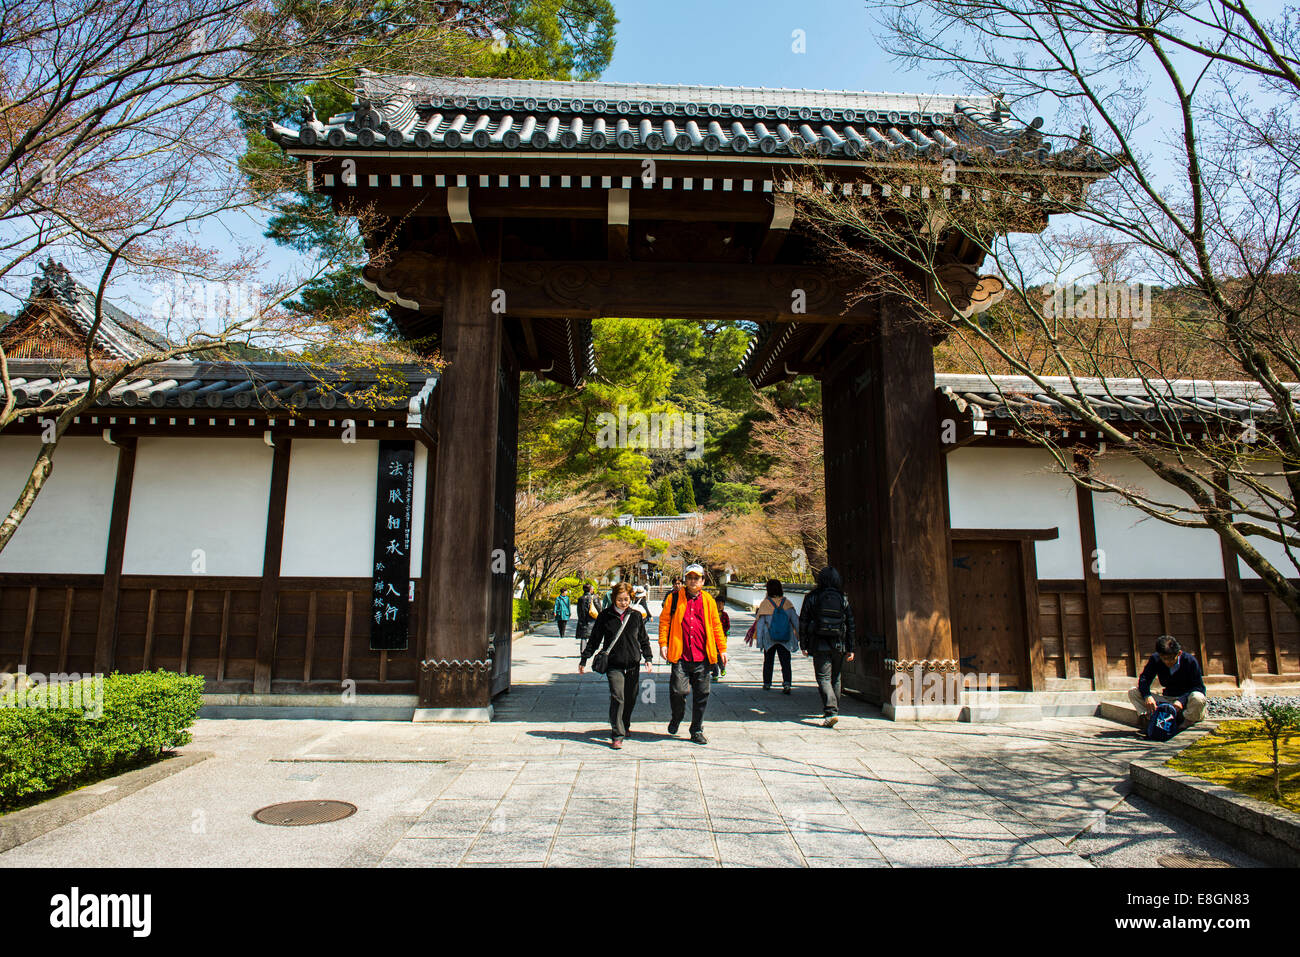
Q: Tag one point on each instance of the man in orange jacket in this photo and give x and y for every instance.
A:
(692, 640)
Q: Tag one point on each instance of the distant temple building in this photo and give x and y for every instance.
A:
(668, 527)
(56, 320)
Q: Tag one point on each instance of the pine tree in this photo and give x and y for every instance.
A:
(686, 499)
(665, 504)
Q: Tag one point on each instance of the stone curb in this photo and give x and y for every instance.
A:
(19, 827)
(1269, 833)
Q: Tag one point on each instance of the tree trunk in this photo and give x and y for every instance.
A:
(40, 473)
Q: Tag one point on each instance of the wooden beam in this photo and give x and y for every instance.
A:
(1005, 534)
(28, 628)
(224, 641)
(1236, 603)
(675, 290)
(1092, 587)
(617, 222)
(106, 630)
(456, 613)
(1033, 628)
(269, 597)
(310, 650)
(777, 230)
(462, 222)
(1271, 601)
(65, 634)
(530, 338)
(185, 637)
(822, 336)
(880, 419)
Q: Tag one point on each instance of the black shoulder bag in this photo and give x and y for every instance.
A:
(600, 664)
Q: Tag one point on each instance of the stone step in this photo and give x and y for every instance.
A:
(1119, 713)
(997, 713)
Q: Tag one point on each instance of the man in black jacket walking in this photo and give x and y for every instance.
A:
(826, 633)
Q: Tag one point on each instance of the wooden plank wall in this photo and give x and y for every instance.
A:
(206, 626)
(1135, 613)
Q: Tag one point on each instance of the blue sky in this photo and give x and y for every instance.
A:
(749, 43)
(713, 42)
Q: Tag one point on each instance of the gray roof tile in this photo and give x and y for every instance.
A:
(457, 113)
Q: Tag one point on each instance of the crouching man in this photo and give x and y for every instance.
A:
(1180, 679)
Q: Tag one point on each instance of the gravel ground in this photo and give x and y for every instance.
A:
(1246, 707)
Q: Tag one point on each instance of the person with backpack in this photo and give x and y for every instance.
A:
(563, 611)
(692, 640)
(620, 634)
(776, 630)
(587, 612)
(1180, 680)
(720, 671)
(826, 633)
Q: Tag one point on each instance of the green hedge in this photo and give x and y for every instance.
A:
(48, 749)
(521, 612)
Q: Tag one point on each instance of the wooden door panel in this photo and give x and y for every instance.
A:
(988, 620)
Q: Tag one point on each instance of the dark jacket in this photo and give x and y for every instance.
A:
(1183, 681)
(624, 654)
(828, 579)
(583, 615)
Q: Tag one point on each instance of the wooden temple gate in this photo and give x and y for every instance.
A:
(515, 212)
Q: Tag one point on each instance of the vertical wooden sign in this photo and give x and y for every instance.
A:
(394, 490)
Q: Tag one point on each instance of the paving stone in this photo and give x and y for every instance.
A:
(685, 837)
(427, 852)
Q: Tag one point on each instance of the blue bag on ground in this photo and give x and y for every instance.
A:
(1164, 723)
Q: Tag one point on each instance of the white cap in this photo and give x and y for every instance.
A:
(698, 569)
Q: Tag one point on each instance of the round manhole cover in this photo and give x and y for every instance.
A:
(298, 813)
(1190, 860)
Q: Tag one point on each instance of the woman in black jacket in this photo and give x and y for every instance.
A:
(625, 649)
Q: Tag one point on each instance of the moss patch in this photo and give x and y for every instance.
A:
(1239, 755)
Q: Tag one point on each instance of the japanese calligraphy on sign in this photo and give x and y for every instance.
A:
(390, 598)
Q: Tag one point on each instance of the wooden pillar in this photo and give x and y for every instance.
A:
(886, 528)
(268, 605)
(456, 672)
(503, 536)
(1091, 590)
(106, 632)
(1236, 603)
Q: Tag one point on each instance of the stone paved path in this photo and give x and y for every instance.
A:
(540, 786)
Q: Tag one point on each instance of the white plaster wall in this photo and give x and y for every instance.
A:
(329, 516)
(66, 532)
(1272, 551)
(1139, 546)
(208, 494)
(1017, 488)
(417, 512)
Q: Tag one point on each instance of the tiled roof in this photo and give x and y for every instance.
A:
(456, 113)
(1184, 400)
(118, 335)
(247, 386)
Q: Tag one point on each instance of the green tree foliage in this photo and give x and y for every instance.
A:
(644, 366)
(520, 39)
(686, 496)
(665, 504)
